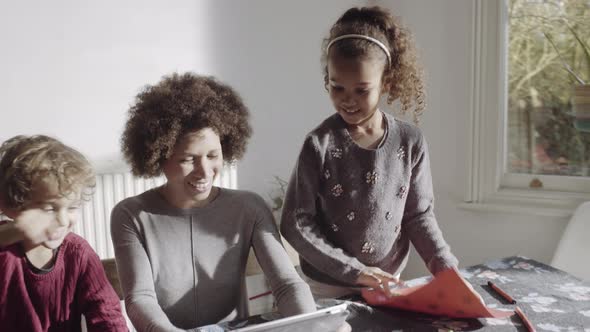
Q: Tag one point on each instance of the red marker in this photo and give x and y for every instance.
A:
(525, 320)
(501, 292)
(260, 295)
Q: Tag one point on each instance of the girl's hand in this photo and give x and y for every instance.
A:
(474, 292)
(376, 278)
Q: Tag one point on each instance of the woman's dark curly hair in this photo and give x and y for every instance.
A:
(403, 77)
(179, 104)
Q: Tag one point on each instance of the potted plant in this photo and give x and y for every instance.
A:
(581, 90)
(277, 197)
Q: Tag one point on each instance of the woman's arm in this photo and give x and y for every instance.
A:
(135, 274)
(291, 292)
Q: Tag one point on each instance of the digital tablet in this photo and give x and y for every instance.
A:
(327, 319)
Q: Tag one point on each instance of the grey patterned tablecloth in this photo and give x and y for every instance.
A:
(552, 300)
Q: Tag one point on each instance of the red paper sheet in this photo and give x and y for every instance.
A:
(447, 294)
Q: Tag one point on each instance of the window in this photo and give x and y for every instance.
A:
(528, 153)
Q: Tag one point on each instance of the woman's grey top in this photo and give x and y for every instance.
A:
(183, 268)
(348, 207)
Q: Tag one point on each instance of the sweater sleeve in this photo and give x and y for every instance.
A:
(299, 223)
(419, 220)
(292, 294)
(135, 274)
(96, 297)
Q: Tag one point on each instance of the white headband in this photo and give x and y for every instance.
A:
(371, 39)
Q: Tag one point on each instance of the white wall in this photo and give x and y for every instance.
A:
(71, 68)
(270, 52)
(66, 63)
(273, 60)
(442, 31)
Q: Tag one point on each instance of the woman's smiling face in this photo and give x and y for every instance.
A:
(191, 169)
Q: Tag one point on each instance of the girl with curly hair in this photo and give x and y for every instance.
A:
(361, 190)
(181, 248)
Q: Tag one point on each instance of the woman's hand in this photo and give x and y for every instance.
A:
(376, 278)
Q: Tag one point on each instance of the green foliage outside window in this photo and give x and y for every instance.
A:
(546, 45)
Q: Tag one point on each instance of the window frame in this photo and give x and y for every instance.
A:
(490, 186)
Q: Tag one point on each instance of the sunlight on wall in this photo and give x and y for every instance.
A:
(71, 69)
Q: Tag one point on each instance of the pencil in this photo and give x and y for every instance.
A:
(501, 292)
(525, 320)
(260, 295)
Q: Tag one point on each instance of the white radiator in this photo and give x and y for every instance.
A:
(94, 224)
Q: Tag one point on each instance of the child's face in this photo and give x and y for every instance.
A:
(355, 87)
(62, 211)
(196, 161)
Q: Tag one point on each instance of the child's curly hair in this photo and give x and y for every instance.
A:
(175, 106)
(403, 77)
(26, 159)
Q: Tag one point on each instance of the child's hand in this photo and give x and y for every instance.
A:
(474, 292)
(35, 226)
(376, 278)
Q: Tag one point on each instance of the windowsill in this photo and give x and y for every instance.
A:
(515, 208)
(490, 187)
(535, 202)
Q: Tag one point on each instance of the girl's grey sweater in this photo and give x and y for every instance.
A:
(347, 207)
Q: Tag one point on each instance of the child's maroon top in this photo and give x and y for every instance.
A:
(54, 301)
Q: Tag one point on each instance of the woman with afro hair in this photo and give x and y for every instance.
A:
(181, 248)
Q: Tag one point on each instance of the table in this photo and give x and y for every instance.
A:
(553, 300)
